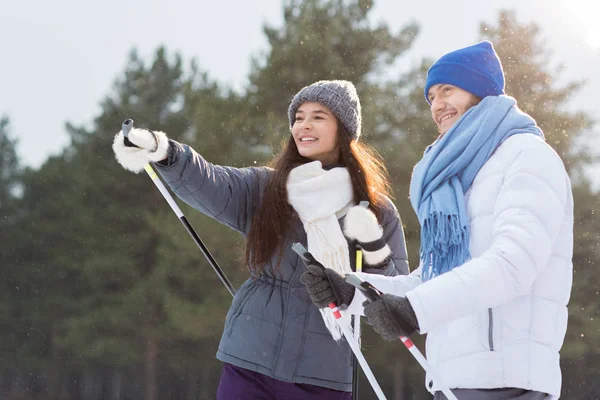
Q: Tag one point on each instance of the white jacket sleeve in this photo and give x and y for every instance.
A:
(397, 285)
(528, 213)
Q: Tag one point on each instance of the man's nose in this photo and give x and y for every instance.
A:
(437, 104)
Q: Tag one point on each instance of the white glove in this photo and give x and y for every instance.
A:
(151, 146)
(362, 225)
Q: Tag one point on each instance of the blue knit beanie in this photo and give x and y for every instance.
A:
(476, 69)
(339, 96)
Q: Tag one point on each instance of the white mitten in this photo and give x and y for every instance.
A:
(362, 225)
(141, 147)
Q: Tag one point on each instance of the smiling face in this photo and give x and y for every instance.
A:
(315, 133)
(448, 104)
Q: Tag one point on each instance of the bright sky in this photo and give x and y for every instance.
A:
(60, 58)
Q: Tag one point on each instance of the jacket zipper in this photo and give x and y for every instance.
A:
(491, 329)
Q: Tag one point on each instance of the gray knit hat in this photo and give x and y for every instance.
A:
(339, 96)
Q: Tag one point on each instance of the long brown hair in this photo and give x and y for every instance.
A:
(273, 218)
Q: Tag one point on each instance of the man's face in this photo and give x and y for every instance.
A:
(448, 104)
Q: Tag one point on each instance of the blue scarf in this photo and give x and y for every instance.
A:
(446, 172)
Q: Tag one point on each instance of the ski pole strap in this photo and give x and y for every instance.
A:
(126, 128)
(129, 143)
(368, 290)
(373, 246)
(305, 255)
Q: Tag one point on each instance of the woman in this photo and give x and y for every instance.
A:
(275, 343)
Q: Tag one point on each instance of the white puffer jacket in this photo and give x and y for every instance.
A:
(500, 319)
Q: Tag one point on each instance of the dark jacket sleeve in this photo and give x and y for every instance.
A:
(393, 234)
(226, 194)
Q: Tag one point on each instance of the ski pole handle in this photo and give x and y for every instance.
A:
(126, 127)
(368, 290)
(302, 253)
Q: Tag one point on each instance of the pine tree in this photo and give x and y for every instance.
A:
(534, 83)
(9, 167)
(319, 39)
(112, 278)
(10, 180)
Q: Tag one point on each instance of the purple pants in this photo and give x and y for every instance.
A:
(242, 384)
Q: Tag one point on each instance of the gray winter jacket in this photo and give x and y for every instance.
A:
(272, 327)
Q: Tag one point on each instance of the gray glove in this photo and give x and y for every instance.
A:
(324, 285)
(391, 316)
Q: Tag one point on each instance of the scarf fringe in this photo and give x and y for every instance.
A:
(444, 244)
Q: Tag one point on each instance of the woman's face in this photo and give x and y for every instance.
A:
(315, 133)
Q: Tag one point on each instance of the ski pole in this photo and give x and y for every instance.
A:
(356, 330)
(308, 258)
(372, 294)
(356, 318)
(126, 127)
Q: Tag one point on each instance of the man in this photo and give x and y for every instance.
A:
(496, 212)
